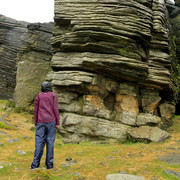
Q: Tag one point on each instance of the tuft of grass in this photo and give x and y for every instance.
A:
(41, 174)
(9, 103)
(176, 123)
(17, 110)
(4, 126)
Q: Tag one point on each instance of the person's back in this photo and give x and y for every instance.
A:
(46, 108)
(46, 118)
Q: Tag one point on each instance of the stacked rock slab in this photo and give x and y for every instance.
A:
(111, 67)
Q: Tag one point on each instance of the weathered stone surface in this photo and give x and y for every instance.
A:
(130, 89)
(106, 63)
(171, 159)
(144, 119)
(74, 107)
(150, 100)
(128, 118)
(33, 62)
(127, 108)
(167, 110)
(85, 127)
(154, 134)
(30, 76)
(69, 78)
(66, 97)
(11, 32)
(22, 45)
(127, 103)
(94, 105)
(130, 104)
(123, 177)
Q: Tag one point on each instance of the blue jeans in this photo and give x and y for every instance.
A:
(45, 134)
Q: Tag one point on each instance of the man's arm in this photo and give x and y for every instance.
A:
(36, 108)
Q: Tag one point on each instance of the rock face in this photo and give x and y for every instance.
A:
(25, 58)
(33, 62)
(175, 24)
(111, 67)
(10, 44)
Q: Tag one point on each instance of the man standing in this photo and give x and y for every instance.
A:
(46, 119)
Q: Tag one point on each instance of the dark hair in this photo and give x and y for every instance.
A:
(46, 87)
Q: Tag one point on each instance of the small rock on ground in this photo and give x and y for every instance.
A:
(68, 159)
(69, 164)
(21, 152)
(173, 158)
(2, 132)
(13, 140)
(123, 177)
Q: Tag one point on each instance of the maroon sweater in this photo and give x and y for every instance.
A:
(46, 108)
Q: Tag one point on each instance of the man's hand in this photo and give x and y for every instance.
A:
(57, 126)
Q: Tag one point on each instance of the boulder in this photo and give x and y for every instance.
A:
(87, 127)
(167, 110)
(145, 119)
(30, 76)
(148, 133)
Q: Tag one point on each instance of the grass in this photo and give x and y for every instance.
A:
(92, 161)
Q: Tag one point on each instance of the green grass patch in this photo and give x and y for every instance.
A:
(5, 126)
(41, 173)
(176, 124)
(7, 169)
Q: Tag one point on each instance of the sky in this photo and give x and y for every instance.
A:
(28, 10)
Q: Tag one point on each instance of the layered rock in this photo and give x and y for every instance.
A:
(175, 25)
(25, 58)
(33, 62)
(11, 32)
(111, 66)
